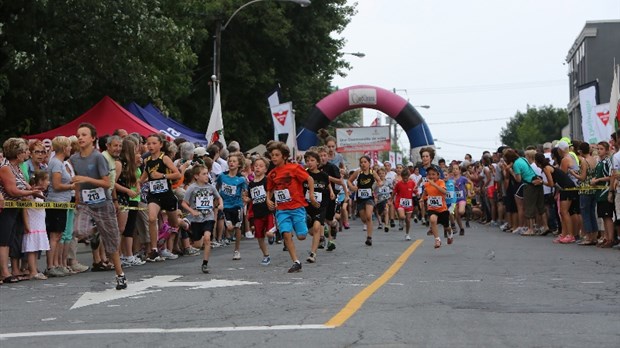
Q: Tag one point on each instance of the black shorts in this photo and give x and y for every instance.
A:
(605, 209)
(132, 220)
(520, 193)
(8, 221)
(315, 214)
(198, 229)
(330, 210)
(443, 218)
(55, 220)
(381, 207)
(233, 216)
(166, 201)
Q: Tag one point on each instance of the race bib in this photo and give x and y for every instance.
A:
(158, 186)
(364, 193)
(384, 190)
(282, 196)
(318, 196)
(258, 193)
(450, 195)
(459, 194)
(406, 202)
(229, 190)
(204, 202)
(93, 196)
(434, 201)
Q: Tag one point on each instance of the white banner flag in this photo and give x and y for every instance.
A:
(215, 130)
(283, 118)
(393, 159)
(594, 118)
(399, 158)
(614, 99)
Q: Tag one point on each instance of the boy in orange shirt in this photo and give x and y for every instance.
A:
(435, 196)
(284, 185)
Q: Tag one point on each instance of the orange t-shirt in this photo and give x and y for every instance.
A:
(435, 200)
(286, 183)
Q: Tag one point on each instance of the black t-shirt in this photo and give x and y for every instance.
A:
(333, 171)
(258, 194)
(321, 188)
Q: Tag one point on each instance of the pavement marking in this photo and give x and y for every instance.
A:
(149, 286)
(592, 282)
(356, 302)
(451, 281)
(4, 336)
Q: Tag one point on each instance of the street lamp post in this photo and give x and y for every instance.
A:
(357, 54)
(219, 28)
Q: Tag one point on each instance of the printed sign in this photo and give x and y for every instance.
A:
(361, 139)
(363, 96)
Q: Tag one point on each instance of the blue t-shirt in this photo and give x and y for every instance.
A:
(231, 188)
(521, 167)
(450, 194)
(461, 189)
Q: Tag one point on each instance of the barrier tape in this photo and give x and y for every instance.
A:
(51, 205)
(586, 188)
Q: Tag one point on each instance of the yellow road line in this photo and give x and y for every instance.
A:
(356, 302)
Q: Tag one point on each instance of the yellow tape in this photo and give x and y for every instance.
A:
(586, 188)
(51, 205)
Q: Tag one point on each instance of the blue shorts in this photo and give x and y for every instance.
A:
(292, 219)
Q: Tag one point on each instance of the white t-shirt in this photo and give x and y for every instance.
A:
(416, 179)
(390, 177)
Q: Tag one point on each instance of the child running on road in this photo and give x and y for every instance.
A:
(383, 193)
(403, 202)
(435, 197)
(284, 185)
(366, 178)
(261, 218)
(201, 198)
(233, 188)
(316, 215)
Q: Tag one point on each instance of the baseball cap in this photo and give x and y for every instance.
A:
(562, 145)
(566, 140)
(547, 145)
(200, 151)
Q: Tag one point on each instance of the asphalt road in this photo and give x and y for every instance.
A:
(488, 289)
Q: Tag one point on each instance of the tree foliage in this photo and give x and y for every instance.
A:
(535, 126)
(58, 58)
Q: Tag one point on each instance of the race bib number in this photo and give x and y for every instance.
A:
(282, 196)
(229, 190)
(434, 201)
(158, 186)
(459, 194)
(450, 195)
(384, 190)
(364, 193)
(204, 202)
(318, 196)
(258, 193)
(93, 196)
(406, 202)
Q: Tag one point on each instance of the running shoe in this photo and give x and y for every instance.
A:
(505, 226)
(79, 268)
(249, 235)
(364, 228)
(296, 267)
(386, 229)
(124, 263)
(266, 261)
(134, 261)
(369, 241)
(331, 246)
(392, 224)
(380, 227)
(236, 255)
(437, 243)
(407, 237)
(462, 232)
(121, 282)
(346, 226)
(153, 257)
(311, 258)
(322, 243)
(166, 254)
(271, 240)
(191, 251)
(205, 268)
(215, 244)
(226, 241)
(450, 239)
(415, 219)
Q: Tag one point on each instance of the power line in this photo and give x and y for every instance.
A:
(486, 88)
(462, 145)
(469, 121)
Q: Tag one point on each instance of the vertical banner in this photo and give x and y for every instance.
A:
(375, 158)
(614, 98)
(399, 158)
(393, 159)
(594, 121)
(283, 119)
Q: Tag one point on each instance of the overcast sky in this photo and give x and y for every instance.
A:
(468, 60)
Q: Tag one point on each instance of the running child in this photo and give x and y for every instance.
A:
(35, 235)
(233, 188)
(317, 215)
(460, 186)
(403, 200)
(200, 200)
(435, 197)
(284, 185)
(159, 172)
(261, 218)
(383, 194)
(93, 198)
(366, 178)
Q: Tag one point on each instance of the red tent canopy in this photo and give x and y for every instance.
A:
(107, 116)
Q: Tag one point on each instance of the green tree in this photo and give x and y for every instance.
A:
(535, 126)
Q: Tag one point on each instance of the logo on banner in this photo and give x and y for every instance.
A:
(281, 116)
(604, 116)
(363, 96)
(349, 132)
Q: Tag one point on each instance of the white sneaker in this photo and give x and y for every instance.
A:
(364, 227)
(134, 261)
(166, 254)
(236, 255)
(249, 235)
(380, 227)
(215, 244)
(407, 237)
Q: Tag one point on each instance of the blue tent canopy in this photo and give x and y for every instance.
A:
(153, 110)
(163, 125)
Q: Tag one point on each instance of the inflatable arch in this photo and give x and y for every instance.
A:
(362, 96)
